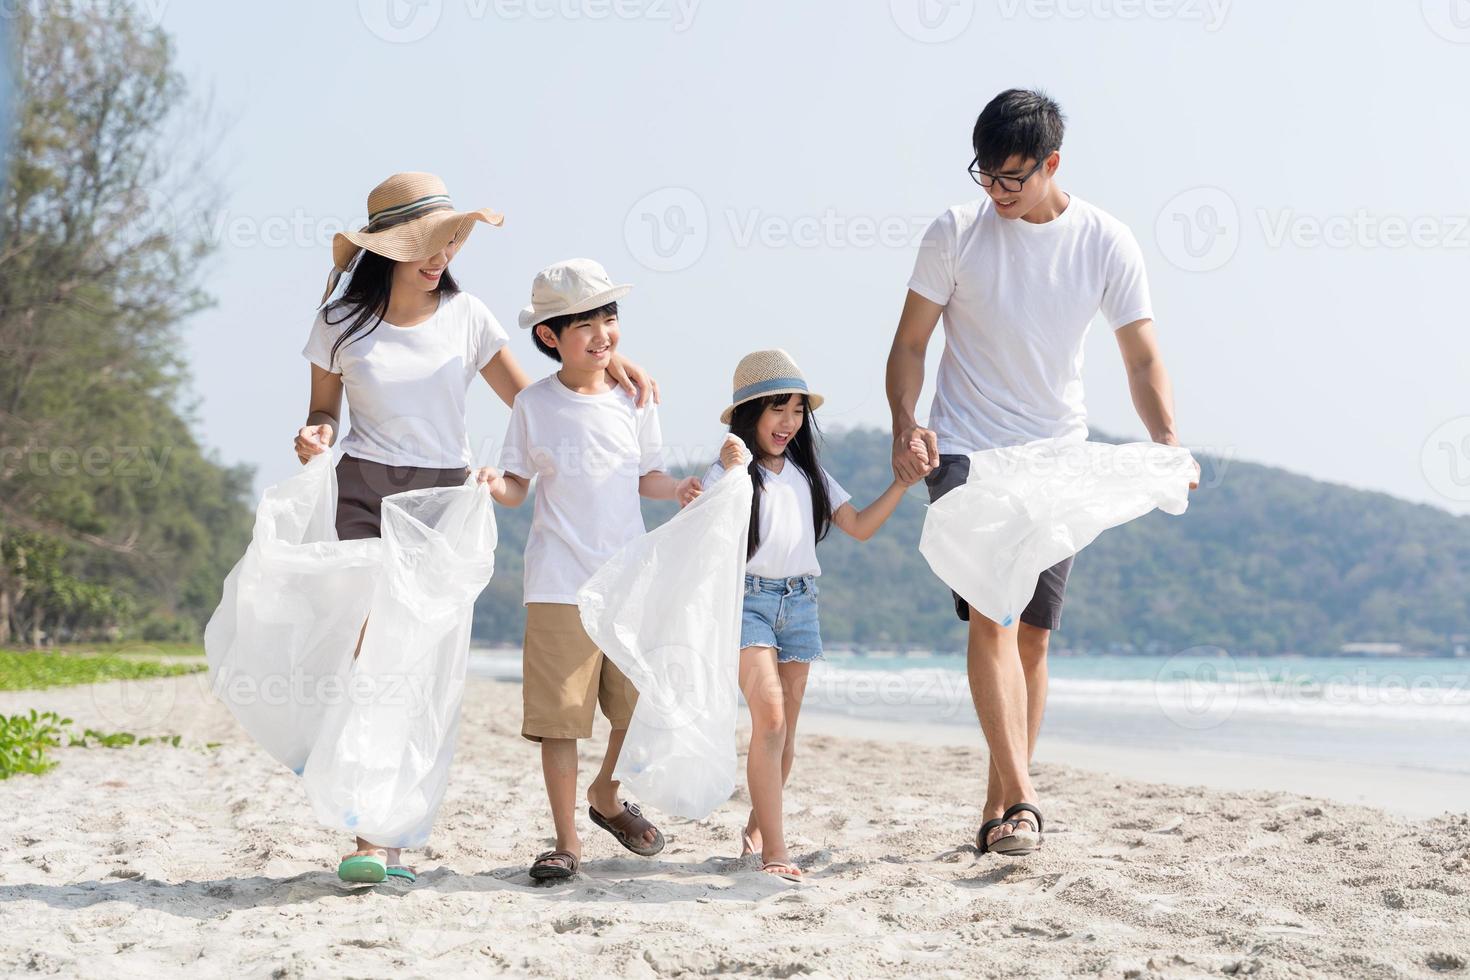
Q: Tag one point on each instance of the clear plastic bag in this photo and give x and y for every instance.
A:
(666, 610)
(1022, 509)
(373, 738)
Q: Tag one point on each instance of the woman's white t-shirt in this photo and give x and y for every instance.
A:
(788, 545)
(1018, 298)
(406, 386)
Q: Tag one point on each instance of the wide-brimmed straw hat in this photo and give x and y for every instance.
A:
(573, 286)
(767, 372)
(410, 218)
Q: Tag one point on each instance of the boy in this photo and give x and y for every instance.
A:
(594, 452)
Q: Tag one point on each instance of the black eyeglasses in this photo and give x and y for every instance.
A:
(1009, 184)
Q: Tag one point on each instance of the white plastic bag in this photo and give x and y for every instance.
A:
(373, 738)
(666, 610)
(1024, 508)
(280, 643)
(381, 762)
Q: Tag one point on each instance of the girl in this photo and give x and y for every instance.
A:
(795, 503)
(405, 344)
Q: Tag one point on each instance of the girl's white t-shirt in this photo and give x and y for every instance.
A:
(788, 545)
(406, 386)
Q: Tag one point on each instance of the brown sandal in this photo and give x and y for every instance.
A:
(629, 827)
(554, 866)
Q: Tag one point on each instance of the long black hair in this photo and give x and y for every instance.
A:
(801, 452)
(365, 300)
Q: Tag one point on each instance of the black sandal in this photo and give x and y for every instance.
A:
(1017, 843)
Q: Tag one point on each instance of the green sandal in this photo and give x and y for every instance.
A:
(363, 868)
(399, 871)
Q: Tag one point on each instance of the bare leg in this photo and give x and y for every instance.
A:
(998, 688)
(761, 684)
(793, 690)
(602, 795)
(1032, 643)
(559, 769)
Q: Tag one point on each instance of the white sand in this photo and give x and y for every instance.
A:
(155, 861)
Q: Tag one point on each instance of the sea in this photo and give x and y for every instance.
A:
(1404, 712)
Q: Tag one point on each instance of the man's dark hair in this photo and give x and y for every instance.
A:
(560, 323)
(1017, 121)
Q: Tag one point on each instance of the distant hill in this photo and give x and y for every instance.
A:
(1265, 561)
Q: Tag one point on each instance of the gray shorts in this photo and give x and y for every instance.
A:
(1044, 611)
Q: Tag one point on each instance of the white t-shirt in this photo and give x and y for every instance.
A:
(406, 386)
(587, 453)
(788, 545)
(1018, 298)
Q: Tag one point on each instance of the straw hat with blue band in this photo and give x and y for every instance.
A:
(410, 218)
(767, 372)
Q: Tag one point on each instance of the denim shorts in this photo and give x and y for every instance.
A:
(782, 613)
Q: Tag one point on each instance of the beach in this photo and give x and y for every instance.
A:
(156, 860)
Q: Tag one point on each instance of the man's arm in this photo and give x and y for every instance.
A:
(1148, 382)
(658, 485)
(905, 379)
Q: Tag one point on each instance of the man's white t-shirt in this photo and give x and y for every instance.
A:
(406, 386)
(1018, 298)
(788, 545)
(587, 453)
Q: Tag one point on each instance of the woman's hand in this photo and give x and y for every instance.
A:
(687, 489)
(632, 379)
(312, 440)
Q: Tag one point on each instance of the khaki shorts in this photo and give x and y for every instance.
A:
(565, 676)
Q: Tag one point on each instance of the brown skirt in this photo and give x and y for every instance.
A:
(362, 484)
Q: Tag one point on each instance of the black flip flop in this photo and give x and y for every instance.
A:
(1016, 843)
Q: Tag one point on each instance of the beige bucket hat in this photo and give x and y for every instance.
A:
(410, 218)
(767, 372)
(573, 286)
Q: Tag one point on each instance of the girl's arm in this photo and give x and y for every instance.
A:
(508, 489)
(863, 524)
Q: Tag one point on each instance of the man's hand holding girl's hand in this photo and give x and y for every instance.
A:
(313, 440)
(915, 454)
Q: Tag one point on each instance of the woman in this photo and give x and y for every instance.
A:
(405, 343)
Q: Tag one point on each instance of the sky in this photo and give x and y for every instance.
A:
(762, 170)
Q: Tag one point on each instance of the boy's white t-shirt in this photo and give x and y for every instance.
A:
(1018, 298)
(587, 453)
(406, 386)
(788, 545)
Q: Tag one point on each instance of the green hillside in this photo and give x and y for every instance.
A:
(1265, 561)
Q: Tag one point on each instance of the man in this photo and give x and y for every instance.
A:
(1018, 276)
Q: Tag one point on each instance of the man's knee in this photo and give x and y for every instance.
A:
(1032, 641)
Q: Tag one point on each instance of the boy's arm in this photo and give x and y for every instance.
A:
(863, 524)
(658, 485)
(509, 490)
